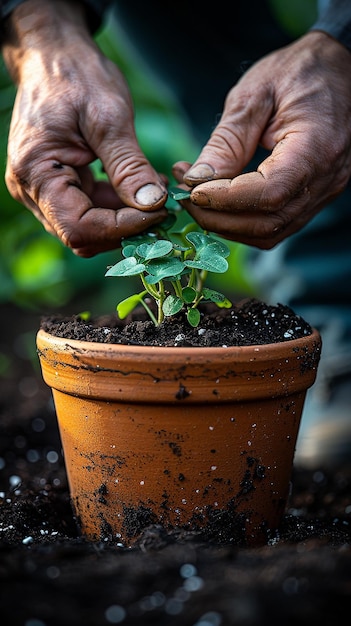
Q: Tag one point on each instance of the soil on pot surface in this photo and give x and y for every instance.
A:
(250, 322)
(50, 576)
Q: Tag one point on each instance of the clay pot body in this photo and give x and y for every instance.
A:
(194, 438)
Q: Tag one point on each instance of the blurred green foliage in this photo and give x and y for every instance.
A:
(295, 16)
(36, 270)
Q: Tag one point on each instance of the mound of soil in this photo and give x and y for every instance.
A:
(249, 322)
(51, 576)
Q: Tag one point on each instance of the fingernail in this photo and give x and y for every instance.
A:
(201, 171)
(149, 194)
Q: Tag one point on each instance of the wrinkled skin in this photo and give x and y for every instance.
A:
(73, 105)
(296, 103)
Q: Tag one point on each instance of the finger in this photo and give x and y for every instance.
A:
(96, 229)
(235, 139)
(179, 169)
(130, 173)
(99, 230)
(100, 192)
(262, 230)
(67, 212)
(104, 195)
(285, 174)
(288, 177)
(247, 191)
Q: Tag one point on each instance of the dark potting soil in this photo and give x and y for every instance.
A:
(51, 576)
(250, 322)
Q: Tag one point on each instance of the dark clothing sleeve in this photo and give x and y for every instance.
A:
(335, 19)
(95, 10)
(334, 16)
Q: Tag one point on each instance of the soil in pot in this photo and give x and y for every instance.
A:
(250, 322)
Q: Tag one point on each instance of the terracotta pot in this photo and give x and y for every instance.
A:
(193, 438)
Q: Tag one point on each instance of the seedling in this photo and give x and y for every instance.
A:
(173, 266)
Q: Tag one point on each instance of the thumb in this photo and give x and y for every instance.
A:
(235, 139)
(134, 179)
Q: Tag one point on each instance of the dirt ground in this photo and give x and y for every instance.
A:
(50, 576)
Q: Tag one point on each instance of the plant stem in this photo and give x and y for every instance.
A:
(149, 312)
(177, 286)
(150, 288)
(160, 302)
(157, 296)
(202, 276)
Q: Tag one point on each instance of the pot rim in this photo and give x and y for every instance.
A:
(96, 347)
(122, 372)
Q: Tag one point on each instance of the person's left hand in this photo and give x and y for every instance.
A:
(296, 102)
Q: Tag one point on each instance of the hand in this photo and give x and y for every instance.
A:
(72, 107)
(296, 103)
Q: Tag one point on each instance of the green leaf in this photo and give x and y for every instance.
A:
(188, 294)
(209, 262)
(213, 296)
(217, 297)
(200, 241)
(209, 253)
(128, 305)
(178, 242)
(179, 236)
(225, 304)
(176, 193)
(126, 267)
(129, 250)
(172, 305)
(197, 239)
(84, 316)
(165, 268)
(146, 237)
(154, 250)
(178, 247)
(193, 317)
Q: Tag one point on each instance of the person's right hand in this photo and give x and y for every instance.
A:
(296, 103)
(72, 107)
